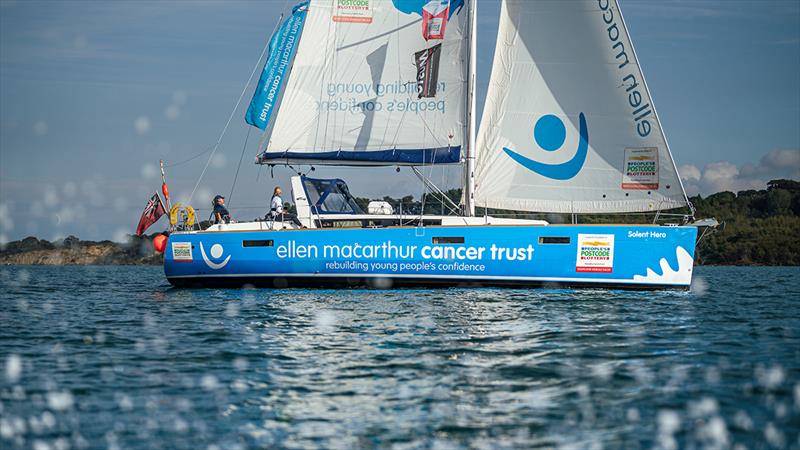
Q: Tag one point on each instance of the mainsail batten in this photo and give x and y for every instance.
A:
(569, 125)
(374, 85)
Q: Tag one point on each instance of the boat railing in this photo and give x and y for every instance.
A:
(657, 217)
(406, 214)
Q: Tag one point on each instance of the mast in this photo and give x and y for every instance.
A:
(469, 167)
(164, 188)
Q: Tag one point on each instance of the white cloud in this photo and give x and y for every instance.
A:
(726, 176)
(690, 173)
(142, 124)
(722, 175)
(785, 161)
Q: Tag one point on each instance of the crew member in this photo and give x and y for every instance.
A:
(220, 213)
(276, 209)
(276, 205)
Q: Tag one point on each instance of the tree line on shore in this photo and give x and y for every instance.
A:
(760, 227)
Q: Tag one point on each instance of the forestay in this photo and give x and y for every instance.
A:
(569, 125)
(374, 82)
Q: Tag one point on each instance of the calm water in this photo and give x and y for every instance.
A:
(112, 357)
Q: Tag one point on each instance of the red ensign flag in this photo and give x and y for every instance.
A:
(152, 212)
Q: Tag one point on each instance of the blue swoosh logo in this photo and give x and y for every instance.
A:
(563, 171)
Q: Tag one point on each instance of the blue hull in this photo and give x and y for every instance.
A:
(619, 256)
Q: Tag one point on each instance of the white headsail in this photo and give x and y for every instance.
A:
(569, 125)
(374, 82)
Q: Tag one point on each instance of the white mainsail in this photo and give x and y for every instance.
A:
(375, 82)
(569, 125)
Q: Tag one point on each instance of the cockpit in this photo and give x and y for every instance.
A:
(328, 203)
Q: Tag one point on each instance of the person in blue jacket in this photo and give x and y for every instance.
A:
(220, 213)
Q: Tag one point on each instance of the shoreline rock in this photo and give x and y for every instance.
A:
(73, 251)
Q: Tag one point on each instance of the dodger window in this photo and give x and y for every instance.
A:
(330, 196)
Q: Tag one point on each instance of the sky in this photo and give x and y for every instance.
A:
(94, 93)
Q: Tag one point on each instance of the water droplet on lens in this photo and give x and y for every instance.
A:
(13, 368)
(59, 401)
(240, 364)
(209, 382)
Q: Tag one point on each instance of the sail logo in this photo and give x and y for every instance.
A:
(216, 252)
(637, 99)
(427, 62)
(182, 251)
(549, 133)
(641, 168)
(282, 50)
(595, 253)
(433, 7)
(354, 11)
(434, 19)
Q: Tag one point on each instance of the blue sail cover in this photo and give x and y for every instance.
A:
(282, 49)
(446, 155)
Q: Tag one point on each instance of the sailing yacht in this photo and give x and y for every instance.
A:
(569, 126)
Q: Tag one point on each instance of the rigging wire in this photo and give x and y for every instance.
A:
(258, 174)
(235, 108)
(236, 177)
(190, 159)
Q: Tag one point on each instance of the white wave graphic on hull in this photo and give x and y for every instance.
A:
(681, 276)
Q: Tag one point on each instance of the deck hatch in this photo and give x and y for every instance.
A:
(258, 243)
(553, 240)
(447, 239)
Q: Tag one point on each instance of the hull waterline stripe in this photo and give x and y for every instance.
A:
(420, 276)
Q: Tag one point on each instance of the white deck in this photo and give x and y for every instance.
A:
(404, 219)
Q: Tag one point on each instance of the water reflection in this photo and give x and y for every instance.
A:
(127, 362)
